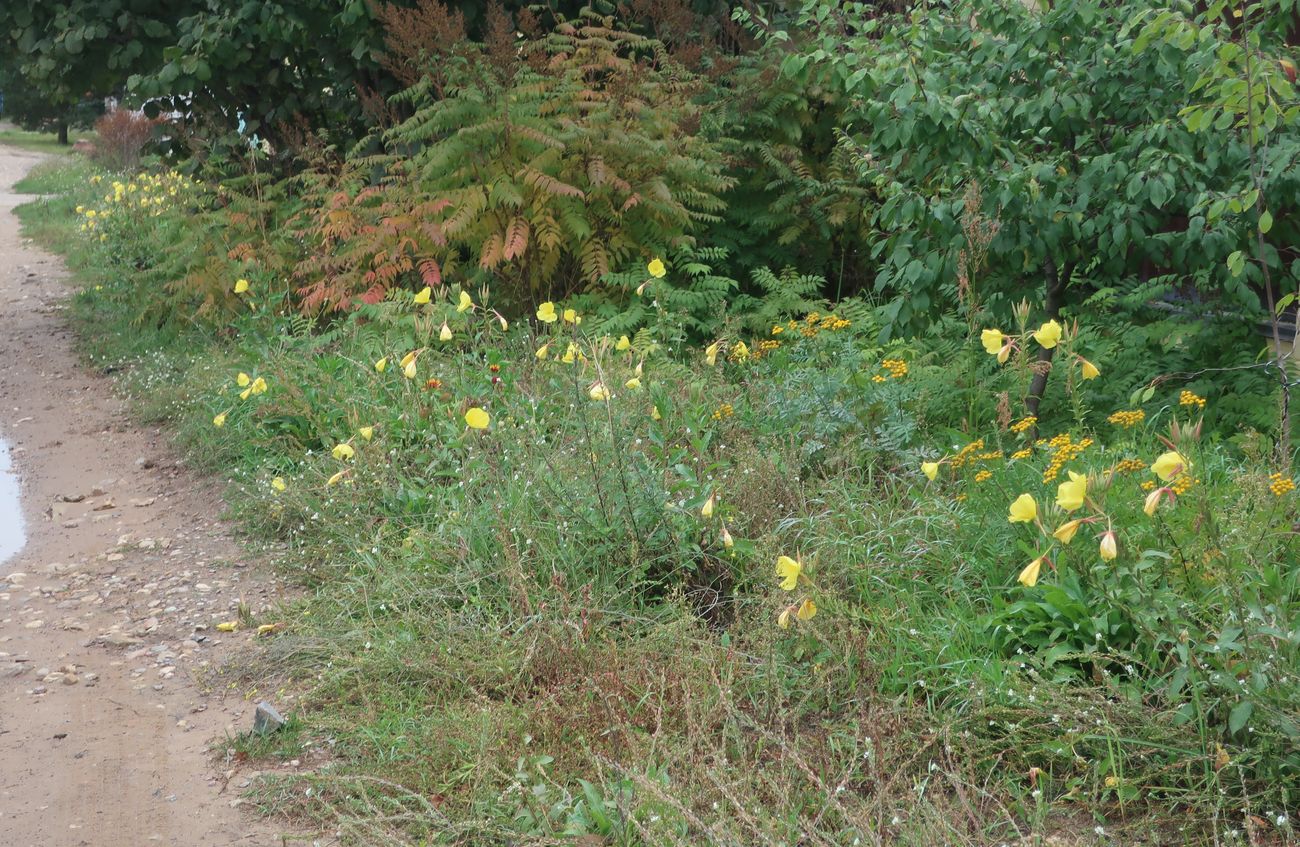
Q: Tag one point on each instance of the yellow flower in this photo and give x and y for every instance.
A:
(242, 380)
(1152, 501)
(992, 339)
(241, 286)
(634, 383)
(219, 421)
(727, 541)
(572, 317)
(783, 619)
(707, 509)
(343, 452)
(243, 395)
(381, 364)
(930, 469)
(711, 353)
(656, 268)
(366, 432)
(227, 626)
(570, 353)
(543, 351)
(258, 386)
(1108, 548)
(788, 569)
(408, 370)
(546, 312)
(1029, 576)
(1048, 335)
(807, 610)
(423, 297)
(654, 413)
(409, 358)
(1023, 510)
(334, 479)
(1065, 532)
(1169, 465)
(445, 333)
(504, 323)
(278, 484)
(466, 302)
(598, 391)
(624, 343)
(1090, 370)
(477, 418)
(1070, 495)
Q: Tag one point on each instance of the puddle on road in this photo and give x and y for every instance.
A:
(12, 536)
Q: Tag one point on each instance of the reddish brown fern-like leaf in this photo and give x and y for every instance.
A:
(516, 240)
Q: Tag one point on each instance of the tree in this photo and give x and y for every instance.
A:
(62, 54)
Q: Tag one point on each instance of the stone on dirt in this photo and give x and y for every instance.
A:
(266, 719)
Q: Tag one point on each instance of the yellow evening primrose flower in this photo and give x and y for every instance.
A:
(543, 351)
(343, 452)
(1029, 576)
(1090, 370)
(571, 317)
(1023, 510)
(425, 295)
(258, 386)
(241, 286)
(219, 421)
(505, 324)
(1070, 495)
(381, 365)
(656, 268)
(444, 334)
(477, 418)
(788, 569)
(598, 391)
(336, 477)
(227, 626)
(654, 414)
(807, 610)
(1065, 532)
(711, 353)
(624, 343)
(409, 370)
(243, 395)
(569, 354)
(366, 432)
(707, 509)
(727, 541)
(1169, 465)
(1153, 500)
(1048, 335)
(783, 619)
(242, 380)
(634, 383)
(278, 483)
(466, 302)
(1108, 548)
(546, 313)
(992, 341)
(930, 469)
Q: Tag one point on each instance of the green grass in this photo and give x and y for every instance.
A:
(40, 142)
(531, 633)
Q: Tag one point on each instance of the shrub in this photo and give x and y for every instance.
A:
(121, 137)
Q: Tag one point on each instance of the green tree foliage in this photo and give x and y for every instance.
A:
(1072, 134)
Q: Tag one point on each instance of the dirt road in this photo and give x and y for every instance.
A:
(108, 614)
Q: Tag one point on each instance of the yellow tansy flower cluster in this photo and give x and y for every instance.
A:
(765, 346)
(897, 368)
(1023, 454)
(1279, 484)
(1131, 466)
(983, 475)
(1128, 419)
(967, 453)
(813, 325)
(1064, 450)
(1189, 398)
(1024, 424)
(723, 411)
(1183, 484)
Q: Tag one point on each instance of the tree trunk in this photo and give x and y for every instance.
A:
(63, 132)
(1055, 294)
